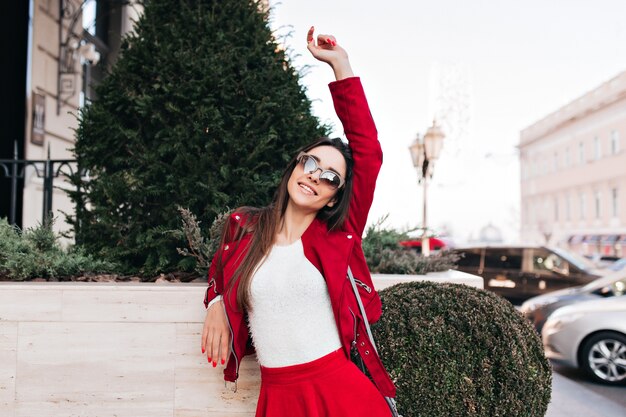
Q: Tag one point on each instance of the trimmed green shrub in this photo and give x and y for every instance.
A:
(385, 256)
(36, 253)
(203, 109)
(454, 350)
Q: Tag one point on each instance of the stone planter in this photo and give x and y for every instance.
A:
(121, 349)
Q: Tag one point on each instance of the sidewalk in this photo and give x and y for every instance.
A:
(570, 399)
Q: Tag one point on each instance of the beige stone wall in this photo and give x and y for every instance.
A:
(577, 153)
(123, 350)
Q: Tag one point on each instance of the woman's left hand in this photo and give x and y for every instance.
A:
(327, 50)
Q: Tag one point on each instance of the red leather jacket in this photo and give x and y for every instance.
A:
(330, 252)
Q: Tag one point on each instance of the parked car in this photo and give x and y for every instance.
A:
(521, 272)
(618, 265)
(603, 261)
(434, 244)
(538, 309)
(591, 336)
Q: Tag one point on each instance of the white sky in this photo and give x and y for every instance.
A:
(515, 60)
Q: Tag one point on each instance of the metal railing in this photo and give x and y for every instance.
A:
(48, 169)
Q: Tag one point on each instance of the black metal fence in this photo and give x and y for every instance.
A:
(48, 169)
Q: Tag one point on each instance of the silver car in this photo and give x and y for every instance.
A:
(538, 309)
(590, 335)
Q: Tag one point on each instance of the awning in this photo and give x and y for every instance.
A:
(609, 239)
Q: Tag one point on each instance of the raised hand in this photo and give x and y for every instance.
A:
(328, 50)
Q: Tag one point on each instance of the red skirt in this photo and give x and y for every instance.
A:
(330, 386)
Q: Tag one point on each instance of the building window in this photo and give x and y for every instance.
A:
(614, 202)
(525, 213)
(568, 207)
(556, 161)
(581, 153)
(556, 209)
(614, 142)
(597, 203)
(567, 158)
(597, 149)
(581, 206)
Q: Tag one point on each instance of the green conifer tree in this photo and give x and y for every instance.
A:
(203, 110)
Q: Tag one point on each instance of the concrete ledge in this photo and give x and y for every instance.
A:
(452, 276)
(121, 349)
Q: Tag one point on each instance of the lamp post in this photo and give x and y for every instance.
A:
(424, 153)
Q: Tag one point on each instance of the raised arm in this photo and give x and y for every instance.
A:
(353, 111)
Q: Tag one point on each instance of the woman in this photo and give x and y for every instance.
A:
(278, 281)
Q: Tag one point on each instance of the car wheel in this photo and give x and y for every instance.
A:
(603, 358)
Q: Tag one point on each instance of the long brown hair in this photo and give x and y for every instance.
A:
(265, 222)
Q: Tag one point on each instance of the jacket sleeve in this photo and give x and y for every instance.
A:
(353, 111)
(212, 290)
(216, 281)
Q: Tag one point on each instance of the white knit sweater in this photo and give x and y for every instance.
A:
(291, 318)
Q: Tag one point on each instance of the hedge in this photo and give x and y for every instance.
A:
(454, 350)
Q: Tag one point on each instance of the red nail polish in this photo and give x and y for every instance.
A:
(209, 360)
(202, 350)
(223, 361)
(214, 364)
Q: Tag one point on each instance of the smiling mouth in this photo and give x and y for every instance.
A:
(307, 189)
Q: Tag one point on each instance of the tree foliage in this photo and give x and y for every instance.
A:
(202, 110)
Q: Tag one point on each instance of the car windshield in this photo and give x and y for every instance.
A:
(580, 262)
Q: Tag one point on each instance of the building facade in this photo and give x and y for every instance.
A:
(65, 47)
(573, 174)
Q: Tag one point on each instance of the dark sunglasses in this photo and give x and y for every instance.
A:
(330, 178)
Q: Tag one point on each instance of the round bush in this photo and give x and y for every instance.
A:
(453, 350)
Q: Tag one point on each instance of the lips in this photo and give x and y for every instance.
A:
(306, 189)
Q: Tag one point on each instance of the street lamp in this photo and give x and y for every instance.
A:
(424, 154)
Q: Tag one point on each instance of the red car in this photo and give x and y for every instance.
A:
(434, 243)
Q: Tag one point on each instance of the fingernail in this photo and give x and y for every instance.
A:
(209, 360)
(202, 350)
(333, 43)
(214, 364)
(223, 361)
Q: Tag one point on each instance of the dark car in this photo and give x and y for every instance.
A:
(538, 309)
(521, 272)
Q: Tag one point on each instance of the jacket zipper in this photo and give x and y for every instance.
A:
(232, 347)
(364, 285)
(354, 320)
